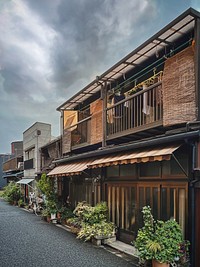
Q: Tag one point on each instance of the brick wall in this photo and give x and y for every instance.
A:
(179, 105)
(96, 122)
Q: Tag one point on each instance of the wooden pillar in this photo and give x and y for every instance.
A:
(104, 117)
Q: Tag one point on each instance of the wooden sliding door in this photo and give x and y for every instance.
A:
(121, 201)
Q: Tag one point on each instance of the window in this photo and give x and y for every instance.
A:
(150, 169)
(112, 171)
(128, 170)
(167, 201)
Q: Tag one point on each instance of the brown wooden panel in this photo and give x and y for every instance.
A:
(179, 103)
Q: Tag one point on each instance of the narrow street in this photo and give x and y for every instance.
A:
(27, 240)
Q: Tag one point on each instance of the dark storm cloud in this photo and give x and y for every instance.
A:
(90, 35)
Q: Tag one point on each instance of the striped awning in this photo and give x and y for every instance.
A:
(137, 156)
(70, 169)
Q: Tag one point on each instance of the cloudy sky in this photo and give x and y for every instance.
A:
(50, 49)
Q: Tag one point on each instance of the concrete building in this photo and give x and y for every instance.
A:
(3, 158)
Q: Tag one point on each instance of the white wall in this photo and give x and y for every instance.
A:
(34, 137)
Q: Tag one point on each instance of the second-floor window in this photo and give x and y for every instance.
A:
(30, 154)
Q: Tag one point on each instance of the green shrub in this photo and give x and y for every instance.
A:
(21, 203)
(66, 213)
(159, 240)
(102, 229)
(97, 214)
(93, 221)
(12, 192)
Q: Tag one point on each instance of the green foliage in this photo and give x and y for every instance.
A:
(51, 205)
(93, 220)
(102, 229)
(21, 203)
(159, 240)
(45, 212)
(92, 215)
(66, 213)
(12, 192)
(80, 208)
(46, 186)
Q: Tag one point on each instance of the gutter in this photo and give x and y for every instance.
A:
(139, 144)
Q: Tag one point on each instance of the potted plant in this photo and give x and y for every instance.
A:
(51, 205)
(46, 214)
(159, 241)
(95, 224)
(47, 187)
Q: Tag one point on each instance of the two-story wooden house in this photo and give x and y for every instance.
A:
(131, 136)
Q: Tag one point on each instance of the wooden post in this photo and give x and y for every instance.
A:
(104, 119)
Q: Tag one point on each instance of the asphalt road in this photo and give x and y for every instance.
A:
(26, 240)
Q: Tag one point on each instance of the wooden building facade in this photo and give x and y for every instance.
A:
(131, 136)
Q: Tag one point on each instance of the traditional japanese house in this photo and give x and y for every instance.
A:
(131, 136)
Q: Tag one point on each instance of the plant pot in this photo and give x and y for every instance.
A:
(58, 215)
(53, 216)
(159, 264)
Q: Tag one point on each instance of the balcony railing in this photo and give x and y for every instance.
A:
(12, 164)
(139, 111)
(80, 132)
(29, 164)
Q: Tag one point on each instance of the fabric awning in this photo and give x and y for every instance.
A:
(70, 169)
(25, 181)
(138, 156)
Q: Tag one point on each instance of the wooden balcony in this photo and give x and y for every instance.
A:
(138, 112)
(13, 164)
(80, 133)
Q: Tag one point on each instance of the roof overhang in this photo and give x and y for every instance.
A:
(169, 34)
(25, 181)
(14, 175)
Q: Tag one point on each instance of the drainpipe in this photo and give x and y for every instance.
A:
(194, 151)
(192, 198)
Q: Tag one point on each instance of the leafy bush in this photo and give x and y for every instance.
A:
(21, 203)
(93, 221)
(46, 186)
(159, 240)
(12, 192)
(45, 212)
(102, 229)
(66, 213)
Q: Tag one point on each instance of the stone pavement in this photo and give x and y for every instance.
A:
(118, 248)
(124, 250)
